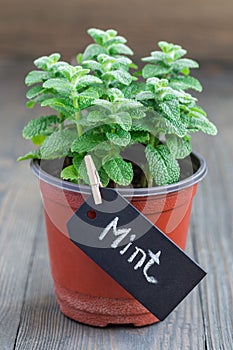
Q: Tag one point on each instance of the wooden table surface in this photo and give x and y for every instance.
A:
(29, 315)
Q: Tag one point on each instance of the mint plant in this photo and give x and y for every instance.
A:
(105, 104)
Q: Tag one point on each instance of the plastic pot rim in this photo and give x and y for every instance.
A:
(126, 192)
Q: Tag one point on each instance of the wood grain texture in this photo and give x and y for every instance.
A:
(29, 315)
(29, 28)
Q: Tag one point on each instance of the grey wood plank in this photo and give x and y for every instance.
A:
(19, 205)
(18, 220)
(215, 246)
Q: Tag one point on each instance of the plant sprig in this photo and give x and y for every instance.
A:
(99, 107)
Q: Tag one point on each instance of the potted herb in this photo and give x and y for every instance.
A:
(137, 126)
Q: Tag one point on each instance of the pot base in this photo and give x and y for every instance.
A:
(101, 311)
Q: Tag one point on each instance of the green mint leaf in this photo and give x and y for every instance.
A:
(87, 80)
(38, 140)
(179, 53)
(97, 34)
(45, 62)
(31, 155)
(139, 137)
(124, 120)
(119, 49)
(70, 173)
(35, 91)
(60, 85)
(171, 111)
(133, 89)
(39, 126)
(163, 166)
(179, 147)
(119, 137)
(93, 65)
(137, 113)
(36, 76)
(183, 63)
(104, 178)
(195, 123)
(61, 105)
(87, 142)
(30, 104)
(77, 160)
(198, 111)
(92, 51)
(185, 83)
(104, 104)
(128, 105)
(145, 95)
(58, 144)
(119, 171)
(120, 75)
(97, 116)
(116, 40)
(79, 58)
(83, 173)
(151, 70)
(115, 94)
(105, 148)
(85, 100)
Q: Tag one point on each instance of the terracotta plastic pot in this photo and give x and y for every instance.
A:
(84, 291)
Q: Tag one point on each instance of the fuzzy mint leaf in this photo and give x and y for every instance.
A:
(120, 137)
(39, 126)
(157, 56)
(45, 62)
(92, 65)
(70, 173)
(97, 35)
(31, 155)
(85, 101)
(151, 70)
(121, 76)
(202, 123)
(35, 91)
(185, 83)
(104, 178)
(183, 63)
(61, 105)
(163, 166)
(58, 144)
(171, 111)
(107, 105)
(92, 51)
(87, 142)
(139, 137)
(96, 116)
(120, 49)
(60, 85)
(87, 80)
(179, 147)
(124, 120)
(36, 76)
(119, 171)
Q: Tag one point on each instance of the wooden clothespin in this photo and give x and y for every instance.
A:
(94, 179)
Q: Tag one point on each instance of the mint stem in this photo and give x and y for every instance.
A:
(77, 117)
(149, 175)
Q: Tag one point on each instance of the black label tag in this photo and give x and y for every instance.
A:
(134, 252)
